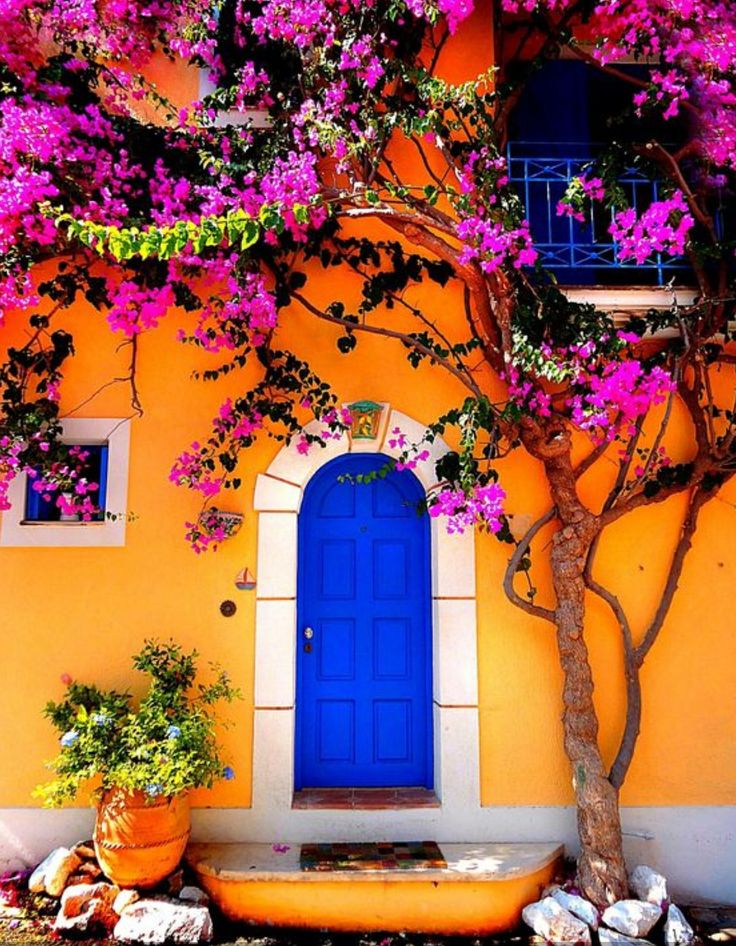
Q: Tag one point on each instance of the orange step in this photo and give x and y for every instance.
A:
(482, 890)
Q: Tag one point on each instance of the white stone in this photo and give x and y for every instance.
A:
(53, 872)
(86, 908)
(578, 906)
(75, 898)
(58, 871)
(125, 899)
(549, 891)
(453, 562)
(277, 554)
(275, 635)
(36, 880)
(554, 923)
(647, 884)
(677, 930)
(632, 917)
(456, 737)
(297, 468)
(193, 895)
(272, 495)
(455, 648)
(156, 921)
(85, 850)
(273, 760)
(612, 938)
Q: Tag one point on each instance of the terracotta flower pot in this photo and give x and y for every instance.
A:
(138, 840)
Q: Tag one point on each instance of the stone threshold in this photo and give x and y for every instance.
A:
(367, 799)
(247, 863)
(481, 891)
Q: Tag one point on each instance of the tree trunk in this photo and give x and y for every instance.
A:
(601, 867)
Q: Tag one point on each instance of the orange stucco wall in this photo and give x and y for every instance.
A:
(85, 611)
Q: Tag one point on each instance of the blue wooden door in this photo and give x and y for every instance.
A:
(364, 706)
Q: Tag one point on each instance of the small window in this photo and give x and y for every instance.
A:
(231, 57)
(35, 519)
(44, 507)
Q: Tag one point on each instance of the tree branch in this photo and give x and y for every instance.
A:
(390, 333)
(398, 300)
(420, 229)
(511, 569)
(632, 725)
(129, 379)
(698, 498)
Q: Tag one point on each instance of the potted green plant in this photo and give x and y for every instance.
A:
(141, 759)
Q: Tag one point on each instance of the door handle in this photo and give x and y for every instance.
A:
(308, 633)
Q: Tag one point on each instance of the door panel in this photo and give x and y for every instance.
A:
(364, 675)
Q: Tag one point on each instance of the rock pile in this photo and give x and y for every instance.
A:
(562, 916)
(90, 905)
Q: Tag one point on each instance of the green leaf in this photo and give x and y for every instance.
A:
(431, 193)
(251, 232)
(346, 344)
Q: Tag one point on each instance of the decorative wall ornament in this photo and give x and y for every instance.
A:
(366, 419)
(219, 524)
(245, 580)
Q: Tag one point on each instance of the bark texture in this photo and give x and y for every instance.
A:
(601, 866)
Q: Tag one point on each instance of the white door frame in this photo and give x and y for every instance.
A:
(277, 501)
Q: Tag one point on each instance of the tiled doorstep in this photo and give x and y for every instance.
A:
(465, 862)
(364, 798)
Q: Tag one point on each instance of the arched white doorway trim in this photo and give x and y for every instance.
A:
(277, 501)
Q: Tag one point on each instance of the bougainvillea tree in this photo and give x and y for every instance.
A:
(224, 225)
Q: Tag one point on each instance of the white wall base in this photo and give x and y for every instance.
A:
(28, 834)
(694, 846)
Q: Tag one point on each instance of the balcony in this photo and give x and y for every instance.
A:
(583, 253)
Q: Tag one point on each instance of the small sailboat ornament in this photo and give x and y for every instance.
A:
(245, 580)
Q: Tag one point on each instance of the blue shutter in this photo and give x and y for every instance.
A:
(101, 500)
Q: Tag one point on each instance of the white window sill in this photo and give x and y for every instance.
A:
(629, 299)
(254, 117)
(69, 523)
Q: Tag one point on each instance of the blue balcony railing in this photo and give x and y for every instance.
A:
(581, 253)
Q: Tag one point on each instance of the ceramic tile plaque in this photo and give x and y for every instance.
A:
(366, 419)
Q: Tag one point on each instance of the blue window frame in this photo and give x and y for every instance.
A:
(39, 509)
(564, 117)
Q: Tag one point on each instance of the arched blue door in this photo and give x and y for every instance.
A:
(364, 681)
